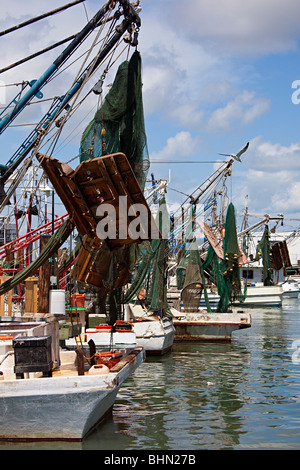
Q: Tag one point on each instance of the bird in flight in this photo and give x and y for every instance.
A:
(238, 155)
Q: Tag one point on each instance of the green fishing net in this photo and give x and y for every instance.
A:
(263, 251)
(227, 272)
(190, 270)
(118, 126)
(151, 271)
(224, 273)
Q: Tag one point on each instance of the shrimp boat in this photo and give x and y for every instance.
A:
(203, 326)
(145, 301)
(192, 323)
(200, 325)
(154, 333)
(257, 296)
(291, 289)
(46, 392)
(38, 403)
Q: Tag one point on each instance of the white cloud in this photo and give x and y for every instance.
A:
(269, 175)
(157, 87)
(273, 158)
(253, 27)
(244, 108)
(188, 115)
(175, 69)
(182, 145)
(188, 83)
(290, 202)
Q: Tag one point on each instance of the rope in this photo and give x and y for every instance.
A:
(40, 17)
(71, 110)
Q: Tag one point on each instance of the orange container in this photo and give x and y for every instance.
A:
(79, 302)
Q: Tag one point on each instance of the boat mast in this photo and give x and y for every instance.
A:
(35, 86)
(60, 103)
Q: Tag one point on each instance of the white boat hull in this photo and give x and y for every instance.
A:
(156, 337)
(256, 296)
(205, 326)
(290, 289)
(291, 294)
(263, 296)
(155, 334)
(62, 407)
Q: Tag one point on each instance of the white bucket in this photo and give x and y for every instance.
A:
(57, 305)
(100, 369)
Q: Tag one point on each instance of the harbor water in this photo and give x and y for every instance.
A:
(243, 395)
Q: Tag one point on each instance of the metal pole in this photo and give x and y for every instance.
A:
(53, 278)
(15, 161)
(38, 84)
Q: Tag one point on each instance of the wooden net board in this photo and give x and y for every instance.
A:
(95, 182)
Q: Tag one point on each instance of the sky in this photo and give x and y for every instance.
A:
(216, 75)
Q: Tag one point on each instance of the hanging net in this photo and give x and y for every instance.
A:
(151, 270)
(118, 126)
(190, 271)
(226, 272)
(263, 251)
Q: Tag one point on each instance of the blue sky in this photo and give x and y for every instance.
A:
(216, 75)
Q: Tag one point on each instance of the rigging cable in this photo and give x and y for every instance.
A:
(58, 131)
(40, 17)
(44, 129)
(36, 54)
(37, 85)
(87, 76)
(31, 141)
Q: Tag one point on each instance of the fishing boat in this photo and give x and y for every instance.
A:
(263, 296)
(105, 336)
(268, 260)
(256, 296)
(67, 405)
(291, 289)
(191, 322)
(154, 333)
(145, 301)
(45, 392)
(204, 326)
(40, 383)
(195, 323)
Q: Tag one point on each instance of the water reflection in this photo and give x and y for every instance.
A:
(242, 395)
(182, 400)
(217, 396)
